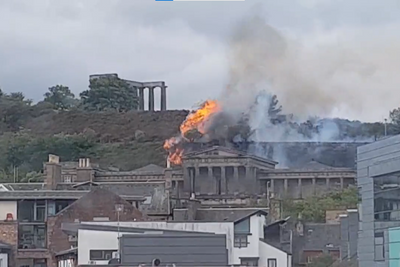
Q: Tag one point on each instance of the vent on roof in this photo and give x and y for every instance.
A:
(101, 219)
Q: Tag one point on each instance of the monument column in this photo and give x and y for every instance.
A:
(187, 180)
(196, 173)
(141, 98)
(151, 98)
(314, 186)
(210, 172)
(341, 183)
(236, 173)
(236, 183)
(163, 98)
(224, 188)
(272, 185)
(285, 185)
(249, 184)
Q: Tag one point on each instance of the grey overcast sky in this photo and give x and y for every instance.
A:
(44, 43)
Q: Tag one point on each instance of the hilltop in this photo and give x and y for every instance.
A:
(109, 126)
(102, 125)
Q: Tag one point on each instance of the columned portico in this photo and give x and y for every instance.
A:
(139, 87)
(151, 89)
(224, 188)
(151, 99)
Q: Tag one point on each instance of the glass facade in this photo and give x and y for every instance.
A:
(387, 197)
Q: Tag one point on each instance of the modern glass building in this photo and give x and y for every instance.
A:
(378, 181)
(394, 247)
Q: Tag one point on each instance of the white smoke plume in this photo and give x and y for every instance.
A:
(317, 78)
(340, 72)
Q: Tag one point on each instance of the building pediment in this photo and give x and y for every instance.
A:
(222, 153)
(215, 151)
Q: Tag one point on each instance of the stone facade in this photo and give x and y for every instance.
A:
(220, 173)
(214, 174)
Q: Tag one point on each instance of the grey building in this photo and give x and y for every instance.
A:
(141, 246)
(378, 169)
(182, 250)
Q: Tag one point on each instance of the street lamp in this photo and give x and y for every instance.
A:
(119, 208)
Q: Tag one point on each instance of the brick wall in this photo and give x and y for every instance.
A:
(97, 203)
(9, 235)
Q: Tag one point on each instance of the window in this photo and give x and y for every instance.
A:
(39, 263)
(379, 247)
(32, 236)
(242, 226)
(67, 179)
(40, 210)
(240, 241)
(249, 262)
(387, 198)
(101, 255)
(272, 263)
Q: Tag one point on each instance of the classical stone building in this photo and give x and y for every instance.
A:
(139, 88)
(221, 173)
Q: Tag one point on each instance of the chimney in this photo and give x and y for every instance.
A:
(192, 206)
(53, 172)
(168, 163)
(84, 172)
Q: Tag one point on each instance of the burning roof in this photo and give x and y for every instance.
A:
(196, 122)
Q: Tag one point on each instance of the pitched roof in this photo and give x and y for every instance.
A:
(225, 214)
(315, 165)
(73, 228)
(150, 169)
(42, 194)
(93, 196)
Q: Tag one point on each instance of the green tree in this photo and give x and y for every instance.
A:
(394, 117)
(26, 153)
(14, 110)
(313, 209)
(109, 93)
(60, 97)
(325, 260)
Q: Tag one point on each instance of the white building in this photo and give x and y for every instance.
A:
(245, 239)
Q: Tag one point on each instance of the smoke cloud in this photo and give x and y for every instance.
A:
(330, 75)
(322, 74)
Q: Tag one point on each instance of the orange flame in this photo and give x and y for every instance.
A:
(198, 119)
(195, 120)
